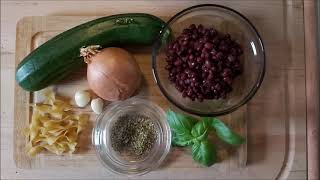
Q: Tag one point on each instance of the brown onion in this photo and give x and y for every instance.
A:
(112, 73)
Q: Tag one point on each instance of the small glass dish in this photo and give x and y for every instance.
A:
(127, 165)
(225, 20)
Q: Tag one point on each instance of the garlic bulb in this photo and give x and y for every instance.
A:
(97, 105)
(82, 98)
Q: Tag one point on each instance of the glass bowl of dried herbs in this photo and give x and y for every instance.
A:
(132, 137)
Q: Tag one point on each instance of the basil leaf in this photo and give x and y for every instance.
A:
(200, 130)
(185, 140)
(226, 134)
(204, 152)
(179, 123)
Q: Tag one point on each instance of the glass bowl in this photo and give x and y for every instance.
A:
(225, 20)
(123, 164)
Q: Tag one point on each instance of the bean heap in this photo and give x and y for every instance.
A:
(203, 62)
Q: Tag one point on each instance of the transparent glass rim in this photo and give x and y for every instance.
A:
(247, 98)
(164, 127)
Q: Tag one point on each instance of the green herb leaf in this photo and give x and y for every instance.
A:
(200, 130)
(179, 123)
(185, 140)
(204, 152)
(181, 126)
(226, 134)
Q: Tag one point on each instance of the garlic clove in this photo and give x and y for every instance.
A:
(82, 98)
(97, 105)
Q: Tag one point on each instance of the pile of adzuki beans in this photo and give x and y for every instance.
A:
(203, 62)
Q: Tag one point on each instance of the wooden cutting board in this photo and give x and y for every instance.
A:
(32, 32)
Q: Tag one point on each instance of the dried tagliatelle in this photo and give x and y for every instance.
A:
(54, 126)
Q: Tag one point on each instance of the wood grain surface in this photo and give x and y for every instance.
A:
(278, 105)
(34, 31)
(313, 91)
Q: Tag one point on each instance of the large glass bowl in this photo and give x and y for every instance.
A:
(225, 20)
(126, 164)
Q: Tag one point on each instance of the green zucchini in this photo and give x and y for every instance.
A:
(60, 56)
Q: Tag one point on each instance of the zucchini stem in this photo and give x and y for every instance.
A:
(89, 51)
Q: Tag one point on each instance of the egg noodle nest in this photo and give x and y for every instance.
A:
(54, 126)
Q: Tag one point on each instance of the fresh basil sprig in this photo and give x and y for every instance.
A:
(204, 153)
(185, 140)
(187, 131)
(180, 123)
(226, 134)
(200, 130)
(181, 126)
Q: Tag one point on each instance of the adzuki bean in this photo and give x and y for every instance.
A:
(203, 62)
